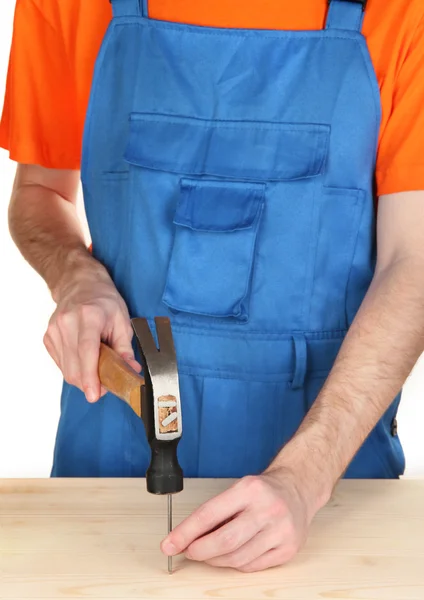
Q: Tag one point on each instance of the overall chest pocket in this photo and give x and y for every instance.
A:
(214, 177)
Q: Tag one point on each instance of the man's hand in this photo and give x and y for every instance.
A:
(89, 310)
(260, 522)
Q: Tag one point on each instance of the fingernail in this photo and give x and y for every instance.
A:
(90, 395)
(169, 548)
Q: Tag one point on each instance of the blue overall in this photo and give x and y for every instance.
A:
(228, 182)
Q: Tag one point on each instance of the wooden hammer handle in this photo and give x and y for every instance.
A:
(118, 377)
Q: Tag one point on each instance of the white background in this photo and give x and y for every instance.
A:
(29, 381)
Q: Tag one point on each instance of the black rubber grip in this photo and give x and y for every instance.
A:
(164, 475)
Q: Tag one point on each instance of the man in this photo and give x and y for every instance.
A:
(231, 159)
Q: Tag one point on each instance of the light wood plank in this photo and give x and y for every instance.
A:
(100, 539)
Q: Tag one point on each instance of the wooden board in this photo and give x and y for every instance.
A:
(100, 539)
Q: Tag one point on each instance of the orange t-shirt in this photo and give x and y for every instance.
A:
(55, 45)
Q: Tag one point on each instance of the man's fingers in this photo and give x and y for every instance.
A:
(67, 334)
(132, 362)
(204, 519)
(88, 354)
(253, 549)
(53, 347)
(121, 342)
(226, 540)
(273, 558)
(121, 337)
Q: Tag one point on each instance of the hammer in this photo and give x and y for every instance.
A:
(155, 398)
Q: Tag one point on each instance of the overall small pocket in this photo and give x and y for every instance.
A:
(211, 264)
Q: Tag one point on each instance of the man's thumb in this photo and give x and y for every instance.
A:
(121, 342)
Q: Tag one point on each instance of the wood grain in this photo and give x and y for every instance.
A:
(100, 539)
(118, 377)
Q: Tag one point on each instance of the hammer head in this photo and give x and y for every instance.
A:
(161, 408)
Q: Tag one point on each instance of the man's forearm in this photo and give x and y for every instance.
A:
(45, 226)
(379, 352)
(46, 229)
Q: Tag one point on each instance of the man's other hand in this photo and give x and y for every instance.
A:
(258, 523)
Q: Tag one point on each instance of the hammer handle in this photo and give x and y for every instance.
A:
(119, 379)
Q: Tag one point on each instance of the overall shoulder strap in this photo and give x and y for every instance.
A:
(346, 14)
(128, 8)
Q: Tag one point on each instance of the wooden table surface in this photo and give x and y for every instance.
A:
(100, 539)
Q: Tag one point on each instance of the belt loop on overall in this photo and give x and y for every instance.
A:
(300, 359)
(129, 8)
(346, 14)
